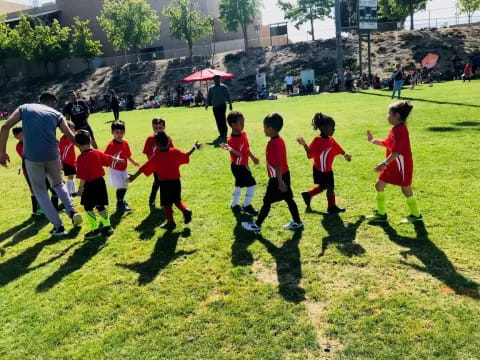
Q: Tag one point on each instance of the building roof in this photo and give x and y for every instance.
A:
(9, 7)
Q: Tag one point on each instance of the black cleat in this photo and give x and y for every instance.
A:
(250, 210)
(335, 209)
(187, 216)
(307, 198)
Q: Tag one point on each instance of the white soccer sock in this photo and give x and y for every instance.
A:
(249, 195)
(71, 186)
(236, 196)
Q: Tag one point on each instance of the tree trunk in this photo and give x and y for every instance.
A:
(411, 15)
(190, 49)
(312, 29)
(245, 36)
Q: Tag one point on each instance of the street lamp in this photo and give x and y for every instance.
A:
(212, 23)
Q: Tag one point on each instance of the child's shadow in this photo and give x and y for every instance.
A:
(117, 216)
(147, 227)
(33, 228)
(216, 143)
(435, 262)
(163, 254)
(243, 239)
(289, 266)
(342, 236)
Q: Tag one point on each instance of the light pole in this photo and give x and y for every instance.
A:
(212, 23)
(338, 31)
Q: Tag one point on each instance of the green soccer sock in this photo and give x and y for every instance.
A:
(104, 218)
(92, 220)
(413, 206)
(381, 208)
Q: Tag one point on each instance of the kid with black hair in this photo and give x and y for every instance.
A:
(166, 164)
(323, 151)
(397, 168)
(117, 175)
(278, 188)
(239, 149)
(92, 189)
(150, 148)
(69, 160)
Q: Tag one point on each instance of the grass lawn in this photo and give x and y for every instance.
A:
(341, 289)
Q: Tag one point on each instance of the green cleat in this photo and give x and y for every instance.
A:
(410, 219)
(376, 217)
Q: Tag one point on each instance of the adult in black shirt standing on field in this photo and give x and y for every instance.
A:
(114, 105)
(78, 112)
(218, 97)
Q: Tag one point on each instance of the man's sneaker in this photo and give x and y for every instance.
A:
(58, 231)
(251, 226)
(76, 218)
(168, 226)
(106, 230)
(307, 198)
(93, 234)
(236, 209)
(250, 210)
(292, 225)
(410, 219)
(72, 195)
(335, 209)
(123, 206)
(376, 217)
(60, 207)
(187, 216)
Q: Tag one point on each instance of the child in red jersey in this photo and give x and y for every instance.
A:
(278, 188)
(149, 150)
(166, 164)
(117, 175)
(323, 151)
(69, 160)
(92, 189)
(239, 149)
(397, 168)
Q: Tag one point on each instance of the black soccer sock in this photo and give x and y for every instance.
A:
(121, 194)
(54, 200)
(153, 193)
(263, 213)
(292, 206)
(34, 204)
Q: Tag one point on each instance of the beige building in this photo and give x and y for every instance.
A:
(7, 7)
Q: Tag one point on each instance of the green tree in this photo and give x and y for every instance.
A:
(469, 7)
(186, 22)
(83, 46)
(23, 38)
(398, 10)
(6, 49)
(235, 13)
(129, 24)
(303, 11)
(52, 43)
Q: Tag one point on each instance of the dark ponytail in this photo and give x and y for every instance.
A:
(402, 108)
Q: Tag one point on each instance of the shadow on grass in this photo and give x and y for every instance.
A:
(423, 100)
(31, 230)
(75, 262)
(443, 129)
(18, 266)
(147, 227)
(467, 123)
(243, 239)
(117, 216)
(342, 236)
(435, 262)
(14, 230)
(163, 254)
(289, 266)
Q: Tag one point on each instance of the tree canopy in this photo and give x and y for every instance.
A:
(469, 7)
(83, 45)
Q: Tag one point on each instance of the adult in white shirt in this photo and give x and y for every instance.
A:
(289, 82)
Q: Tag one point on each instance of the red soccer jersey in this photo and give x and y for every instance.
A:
(400, 171)
(67, 151)
(166, 164)
(151, 147)
(90, 164)
(119, 150)
(276, 156)
(323, 151)
(239, 143)
(19, 148)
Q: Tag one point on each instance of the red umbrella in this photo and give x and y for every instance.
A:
(430, 61)
(207, 74)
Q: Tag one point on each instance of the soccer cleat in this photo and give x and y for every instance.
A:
(335, 209)
(251, 226)
(168, 226)
(123, 206)
(60, 207)
(76, 218)
(410, 219)
(236, 209)
(187, 216)
(307, 198)
(72, 195)
(250, 210)
(376, 217)
(93, 234)
(58, 231)
(292, 225)
(106, 230)
(39, 212)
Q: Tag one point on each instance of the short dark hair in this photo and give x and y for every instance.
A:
(321, 122)
(71, 92)
(159, 121)
(274, 120)
(402, 108)
(82, 137)
(233, 117)
(17, 130)
(118, 125)
(47, 97)
(161, 139)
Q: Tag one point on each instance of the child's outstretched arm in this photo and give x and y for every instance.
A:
(232, 151)
(133, 162)
(371, 139)
(196, 146)
(131, 178)
(347, 156)
(380, 166)
(302, 142)
(253, 157)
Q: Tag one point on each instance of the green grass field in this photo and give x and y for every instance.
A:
(341, 289)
